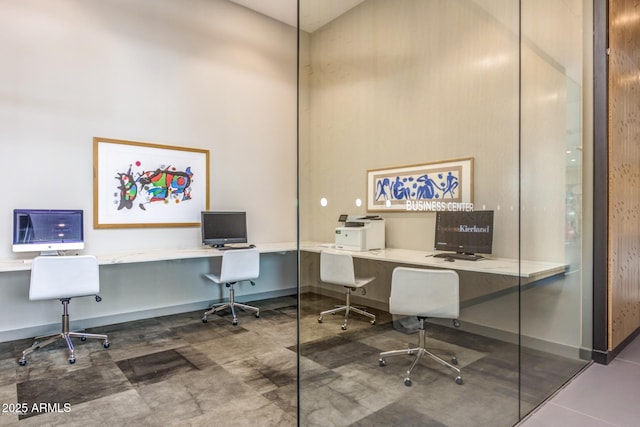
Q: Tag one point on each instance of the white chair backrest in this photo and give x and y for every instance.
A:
(240, 264)
(426, 293)
(337, 268)
(63, 277)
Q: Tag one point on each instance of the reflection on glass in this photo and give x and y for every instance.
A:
(551, 143)
(390, 83)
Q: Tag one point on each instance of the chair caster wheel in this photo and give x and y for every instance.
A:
(83, 339)
(106, 344)
(343, 327)
(459, 380)
(454, 360)
(319, 319)
(72, 361)
(407, 382)
(373, 322)
(257, 315)
(204, 320)
(234, 323)
(22, 362)
(382, 362)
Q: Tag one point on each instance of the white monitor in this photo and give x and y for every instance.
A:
(47, 230)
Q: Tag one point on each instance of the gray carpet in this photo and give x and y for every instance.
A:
(176, 370)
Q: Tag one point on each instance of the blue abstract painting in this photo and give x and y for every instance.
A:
(427, 187)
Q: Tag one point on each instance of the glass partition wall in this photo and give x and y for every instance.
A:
(555, 313)
(491, 91)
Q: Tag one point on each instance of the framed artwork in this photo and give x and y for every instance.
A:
(139, 184)
(445, 185)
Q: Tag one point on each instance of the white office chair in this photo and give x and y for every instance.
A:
(64, 277)
(337, 269)
(424, 293)
(237, 265)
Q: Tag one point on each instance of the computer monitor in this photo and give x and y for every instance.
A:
(47, 230)
(464, 232)
(220, 228)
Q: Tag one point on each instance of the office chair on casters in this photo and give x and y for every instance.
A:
(237, 265)
(424, 293)
(337, 269)
(64, 277)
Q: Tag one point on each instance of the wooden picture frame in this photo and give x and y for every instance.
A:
(140, 184)
(444, 185)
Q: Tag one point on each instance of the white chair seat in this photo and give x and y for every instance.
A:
(213, 277)
(64, 277)
(54, 277)
(361, 281)
(237, 265)
(423, 293)
(336, 268)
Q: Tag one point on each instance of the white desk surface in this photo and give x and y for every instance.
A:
(531, 270)
(150, 256)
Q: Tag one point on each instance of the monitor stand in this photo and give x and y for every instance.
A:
(459, 255)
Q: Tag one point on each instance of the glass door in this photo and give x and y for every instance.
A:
(408, 108)
(555, 117)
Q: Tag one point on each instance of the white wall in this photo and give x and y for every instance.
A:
(196, 73)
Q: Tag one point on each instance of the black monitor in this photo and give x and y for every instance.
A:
(464, 232)
(220, 228)
(47, 230)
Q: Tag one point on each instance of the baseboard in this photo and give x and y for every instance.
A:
(602, 357)
(605, 357)
(535, 343)
(81, 324)
(499, 334)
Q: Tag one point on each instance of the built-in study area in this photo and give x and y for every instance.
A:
(371, 135)
(107, 70)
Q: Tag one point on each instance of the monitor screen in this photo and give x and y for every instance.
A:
(47, 230)
(220, 228)
(464, 232)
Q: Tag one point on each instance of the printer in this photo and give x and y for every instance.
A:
(360, 233)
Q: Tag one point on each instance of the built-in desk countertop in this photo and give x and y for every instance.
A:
(531, 271)
(479, 280)
(151, 256)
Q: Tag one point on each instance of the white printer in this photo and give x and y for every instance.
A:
(360, 233)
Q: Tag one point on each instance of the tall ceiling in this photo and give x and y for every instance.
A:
(314, 13)
(563, 16)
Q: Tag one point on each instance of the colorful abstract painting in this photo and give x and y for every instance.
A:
(446, 185)
(139, 184)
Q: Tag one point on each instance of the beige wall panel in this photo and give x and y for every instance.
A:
(543, 148)
(405, 82)
(395, 84)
